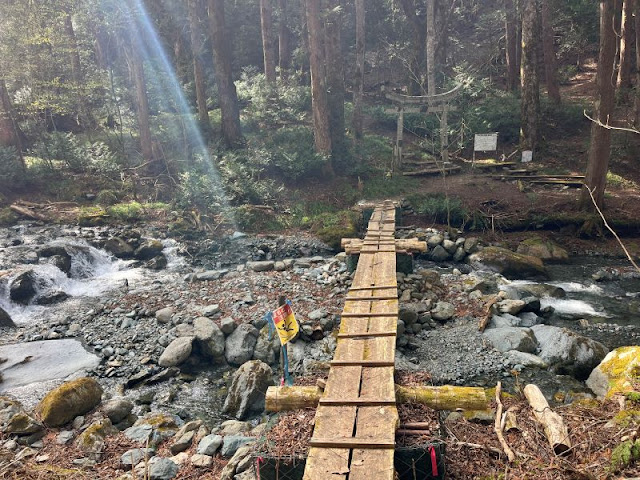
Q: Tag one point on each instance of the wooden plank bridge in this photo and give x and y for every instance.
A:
(356, 419)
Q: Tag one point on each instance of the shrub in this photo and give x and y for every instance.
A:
(7, 217)
(128, 212)
(291, 153)
(440, 208)
(12, 174)
(107, 197)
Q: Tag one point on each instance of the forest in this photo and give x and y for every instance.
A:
(178, 177)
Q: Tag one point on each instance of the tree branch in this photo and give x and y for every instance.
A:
(609, 127)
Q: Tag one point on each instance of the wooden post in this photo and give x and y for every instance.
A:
(444, 134)
(399, 134)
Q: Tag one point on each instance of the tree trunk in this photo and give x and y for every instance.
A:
(76, 71)
(196, 12)
(284, 39)
(319, 104)
(530, 83)
(10, 134)
(358, 81)
(142, 102)
(228, 97)
(335, 77)
(626, 41)
(600, 149)
(431, 47)
(511, 47)
(550, 63)
(419, 35)
(636, 101)
(269, 55)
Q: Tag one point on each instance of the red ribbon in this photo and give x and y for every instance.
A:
(259, 460)
(434, 462)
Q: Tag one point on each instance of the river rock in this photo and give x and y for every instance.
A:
(182, 442)
(248, 389)
(512, 307)
(408, 316)
(201, 461)
(531, 304)
(23, 287)
(50, 298)
(133, 457)
(162, 469)
(616, 372)
(471, 245)
(61, 262)
(539, 290)
(5, 319)
(514, 357)
(118, 248)
(209, 337)
(176, 352)
(229, 470)
(164, 315)
(264, 266)
(434, 240)
(148, 250)
(508, 263)
(240, 344)
(227, 325)
(440, 254)
(92, 439)
(63, 404)
(159, 262)
(117, 409)
(511, 338)
(22, 424)
(443, 311)
(231, 444)
(266, 348)
(209, 445)
(568, 351)
(546, 250)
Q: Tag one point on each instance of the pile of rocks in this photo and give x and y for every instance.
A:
(442, 246)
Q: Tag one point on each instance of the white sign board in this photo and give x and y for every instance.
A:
(485, 142)
(527, 156)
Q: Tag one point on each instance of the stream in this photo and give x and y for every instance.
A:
(607, 311)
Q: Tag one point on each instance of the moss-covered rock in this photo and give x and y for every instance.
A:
(508, 263)
(92, 439)
(543, 249)
(23, 424)
(625, 454)
(616, 372)
(331, 228)
(63, 404)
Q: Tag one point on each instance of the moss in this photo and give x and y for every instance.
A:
(69, 400)
(620, 363)
(94, 435)
(92, 216)
(159, 421)
(331, 228)
(633, 397)
(7, 217)
(627, 418)
(625, 454)
(127, 212)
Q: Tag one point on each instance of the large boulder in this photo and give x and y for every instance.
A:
(117, 409)
(248, 389)
(209, 337)
(568, 352)
(5, 319)
(543, 249)
(240, 344)
(616, 372)
(508, 263)
(63, 404)
(266, 348)
(511, 338)
(23, 287)
(176, 352)
(148, 250)
(118, 248)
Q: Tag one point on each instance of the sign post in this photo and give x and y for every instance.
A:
(484, 142)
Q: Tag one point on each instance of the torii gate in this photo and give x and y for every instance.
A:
(427, 104)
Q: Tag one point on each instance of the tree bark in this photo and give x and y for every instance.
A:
(76, 71)
(530, 83)
(269, 55)
(431, 47)
(626, 41)
(319, 103)
(550, 63)
(600, 149)
(142, 102)
(511, 47)
(10, 134)
(358, 81)
(196, 12)
(636, 101)
(419, 35)
(335, 77)
(554, 427)
(228, 97)
(284, 39)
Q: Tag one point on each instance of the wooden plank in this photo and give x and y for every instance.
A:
(372, 287)
(374, 464)
(367, 402)
(377, 383)
(341, 383)
(364, 363)
(367, 334)
(371, 299)
(352, 442)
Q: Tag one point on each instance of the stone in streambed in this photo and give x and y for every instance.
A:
(176, 353)
(69, 400)
(248, 388)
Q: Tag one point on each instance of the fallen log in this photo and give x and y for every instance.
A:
(279, 399)
(554, 427)
(25, 212)
(488, 313)
(353, 246)
(498, 427)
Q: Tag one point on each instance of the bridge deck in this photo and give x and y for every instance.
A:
(355, 423)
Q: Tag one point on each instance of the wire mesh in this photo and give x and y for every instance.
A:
(416, 462)
(278, 468)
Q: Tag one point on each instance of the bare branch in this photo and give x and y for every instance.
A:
(609, 127)
(593, 200)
